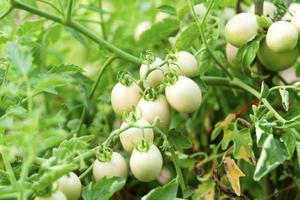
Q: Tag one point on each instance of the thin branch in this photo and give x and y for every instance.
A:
(6, 13)
(259, 7)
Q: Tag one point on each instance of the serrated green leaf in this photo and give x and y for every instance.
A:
(50, 82)
(103, 189)
(274, 153)
(242, 144)
(66, 68)
(289, 140)
(30, 27)
(179, 140)
(167, 192)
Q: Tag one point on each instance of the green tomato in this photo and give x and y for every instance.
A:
(115, 167)
(146, 166)
(276, 61)
(268, 8)
(123, 98)
(70, 185)
(184, 95)
(156, 108)
(241, 29)
(58, 195)
(133, 136)
(185, 64)
(282, 36)
(156, 77)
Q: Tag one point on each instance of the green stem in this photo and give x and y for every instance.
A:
(94, 87)
(102, 21)
(203, 37)
(259, 7)
(69, 11)
(86, 172)
(6, 13)
(79, 28)
(7, 165)
(178, 169)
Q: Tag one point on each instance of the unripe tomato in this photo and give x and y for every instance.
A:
(292, 10)
(156, 77)
(282, 36)
(241, 29)
(200, 9)
(141, 28)
(146, 166)
(58, 195)
(296, 21)
(269, 9)
(124, 97)
(156, 108)
(70, 185)
(185, 64)
(115, 167)
(231, 53)
(184, 96)
(134, 136)
(276, 61)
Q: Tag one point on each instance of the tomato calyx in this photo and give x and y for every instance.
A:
(132, 116)
(143, 146)
(150, 94)
(104, 154)
(170, 77)
(125, 78)
(148, 57)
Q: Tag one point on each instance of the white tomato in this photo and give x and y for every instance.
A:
(185, 64)
(282, 36)
(156, 77)
(241, 29)
(231, 55)
(292, 10)
(123, 98)
(133, 136)
(184, 95)
(156, 108)
(296, 21)
(117, 166)
(146, 166)
(70, 185)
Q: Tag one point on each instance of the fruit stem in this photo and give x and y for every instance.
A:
(259, 7)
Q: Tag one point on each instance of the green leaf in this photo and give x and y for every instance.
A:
(274, 153)
(167, 192)
(19, 57)
(66, 68)
(289, 140)
(262, 130)
(284, 98)
(76, 35)
(204, 190)
(103, 189)
(49, 83)
(265, 91)
(187, 37)
(92, 7)
(179, 140)
(30, 27)
(167, 9)
(242, 144)
(159, 31)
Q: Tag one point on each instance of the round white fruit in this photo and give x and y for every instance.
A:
(115, 167)
(231, 53)
(146, 166)
(241, 29)
(185, 64)
(70, 185)
(184, 95)
(156, 108)
(282, 36)
(123, 98)
(156, 77)
(133, 136)
(200, 9)
(292, 10)
(296, 21)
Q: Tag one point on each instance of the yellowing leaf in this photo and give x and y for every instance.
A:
(233, 173)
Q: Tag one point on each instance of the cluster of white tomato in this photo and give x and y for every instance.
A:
(278, 50)
(183, 94)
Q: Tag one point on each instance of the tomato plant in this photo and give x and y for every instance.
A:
(149, 99)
